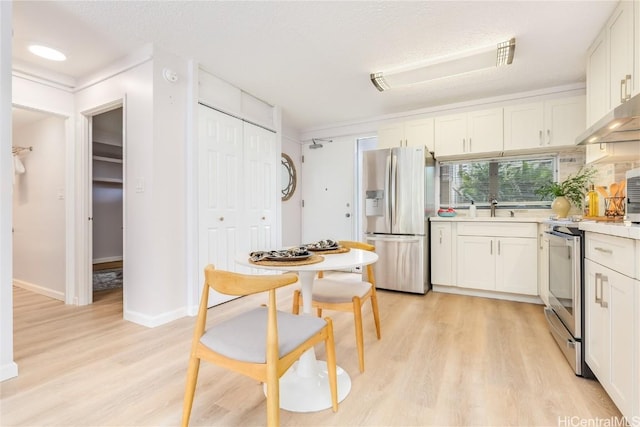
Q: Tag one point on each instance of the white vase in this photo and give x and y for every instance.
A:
(561, 206)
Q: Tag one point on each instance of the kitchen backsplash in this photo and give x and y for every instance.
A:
(571, 162)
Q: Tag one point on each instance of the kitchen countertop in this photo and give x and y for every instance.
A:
(631, 231)
(459, 218)
(620, 229)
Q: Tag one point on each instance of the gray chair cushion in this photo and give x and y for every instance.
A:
(244, 337)
(338, 291)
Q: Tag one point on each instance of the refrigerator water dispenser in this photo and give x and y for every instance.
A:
(374, 202)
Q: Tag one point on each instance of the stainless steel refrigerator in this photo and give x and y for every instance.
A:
(398, 197)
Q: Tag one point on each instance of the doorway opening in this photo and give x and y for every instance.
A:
(107, 202)
(39, 207)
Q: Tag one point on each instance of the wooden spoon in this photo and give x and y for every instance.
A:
(613, 189)
(623, 184)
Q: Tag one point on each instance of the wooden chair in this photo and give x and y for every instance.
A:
(261, 344)
(346, 295)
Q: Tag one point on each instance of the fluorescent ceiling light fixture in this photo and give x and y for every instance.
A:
(47, 52)
(446, 67)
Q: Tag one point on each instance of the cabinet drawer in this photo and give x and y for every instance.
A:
(497, 229)
(616, 253)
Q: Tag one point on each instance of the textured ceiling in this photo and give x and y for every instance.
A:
(313, 58)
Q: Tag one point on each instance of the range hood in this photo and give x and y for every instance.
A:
(620, 125)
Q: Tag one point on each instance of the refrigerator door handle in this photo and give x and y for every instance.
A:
(388, 196)
(394, 191)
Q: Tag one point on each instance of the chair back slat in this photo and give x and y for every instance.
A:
(231, 283)
(366, 247)
(356, 245)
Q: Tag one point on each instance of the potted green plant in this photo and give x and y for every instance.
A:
(570, 191)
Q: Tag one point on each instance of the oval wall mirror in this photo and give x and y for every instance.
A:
(288, 177)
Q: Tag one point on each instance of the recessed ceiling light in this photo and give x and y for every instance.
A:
(47, 52)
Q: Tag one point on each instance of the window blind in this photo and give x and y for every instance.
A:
(511, 181)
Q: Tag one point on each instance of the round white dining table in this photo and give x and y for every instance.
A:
(305, 386)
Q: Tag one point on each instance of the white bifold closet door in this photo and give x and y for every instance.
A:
(237, 191)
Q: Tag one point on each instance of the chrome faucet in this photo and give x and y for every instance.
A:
(494, 203)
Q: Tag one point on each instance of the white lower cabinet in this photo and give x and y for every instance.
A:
(476, 262)
(441, 254)
(610, 329)
(498, 257)
(612, 318)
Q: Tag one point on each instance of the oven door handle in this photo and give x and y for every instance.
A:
(562, 236)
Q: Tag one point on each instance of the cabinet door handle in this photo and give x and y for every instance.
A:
(491, 247)
(623, 90)
(627, 86)
(603, 303)
(548, 136)
(598, 299)
(540, 137)
(470, 145)
(440, 236)
(498, 247)
(606, 251)
(464, 145)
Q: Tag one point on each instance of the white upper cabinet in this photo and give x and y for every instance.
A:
(612, 62)
(450, 135)
(597, 83)
(407, 134)
(476, 132)
(619, 31)
(564, 120)
(544, 124)
(485, 131)
(524, 126)
(636, 59)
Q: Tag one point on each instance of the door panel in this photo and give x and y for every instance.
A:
(512, 274)
(401, 263)
(220, 163)
(476, 262)
(328, 191)
(409, 179)
(260, 167)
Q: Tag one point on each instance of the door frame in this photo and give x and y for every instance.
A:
(84, 225)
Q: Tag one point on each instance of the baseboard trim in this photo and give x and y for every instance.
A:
(154, 321)
(533, 299)
(39, 289)
(8, 371)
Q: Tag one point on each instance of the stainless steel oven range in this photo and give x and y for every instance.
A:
(566, 289)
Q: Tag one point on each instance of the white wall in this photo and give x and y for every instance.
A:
(39, 208)
(291, 209)
(154, 188)
(8, 367)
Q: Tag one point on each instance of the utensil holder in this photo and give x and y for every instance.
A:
(614, 206)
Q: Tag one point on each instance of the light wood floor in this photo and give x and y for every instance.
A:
(443, 360)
